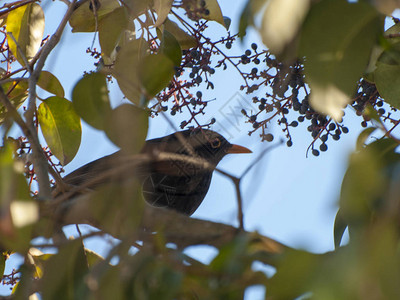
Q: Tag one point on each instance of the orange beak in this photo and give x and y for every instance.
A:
(238, 149)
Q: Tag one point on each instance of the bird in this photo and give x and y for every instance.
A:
(176, 184)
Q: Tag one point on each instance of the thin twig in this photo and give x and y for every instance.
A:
(21, 53)
(39, 159)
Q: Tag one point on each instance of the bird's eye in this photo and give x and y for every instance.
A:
(216, 143)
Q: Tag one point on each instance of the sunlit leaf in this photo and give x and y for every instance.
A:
(61, 127)
(17, 92)
(83, 19)
(26, 24)
(111, 28)
(92, 257)
(162, 8)
(127, 127)
(50, 83)
(90, 99)
(336, 40)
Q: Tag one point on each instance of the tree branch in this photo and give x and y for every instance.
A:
(38, 158)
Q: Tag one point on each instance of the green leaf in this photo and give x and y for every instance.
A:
(118, 205)
(137, 7)
(363, 136)
(90, 99)
(162, 8)
(387, 80)
(26, 24)
(17, 92)
(215, 13)
(83, 19)
(156, 72)
(3, 258)
(61, 127)
(50, 83)
(111, 28)
(339, 228)
(92, 257)
(185, 40)
(336, 40)
(393, 30)
(64, 273)
(126, 70)
(366, 182)
(20, 212)
(170, 47)
(127, 127)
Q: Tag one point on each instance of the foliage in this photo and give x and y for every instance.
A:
(322, 56)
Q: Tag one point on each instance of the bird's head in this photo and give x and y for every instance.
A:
(205, 143)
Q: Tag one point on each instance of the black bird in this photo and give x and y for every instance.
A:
(173, 183)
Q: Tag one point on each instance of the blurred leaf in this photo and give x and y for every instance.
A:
(393, 30)
(83, 19)
(336, 40)
(227, 22)
(391, 55)
(366, 181)
(50, 83)
(137, 7)
(118, 206)
(156, 71)
(338, 229)
(26, 23)
(185, 40)
(92, 257)
(162, 8)
(363, 136)
(387, 80)
(371, 114)
(126, 126)
(233, 258)
(111, 28)
(296, 269)
(3, 258)
(170, 47)
(90, 99)
(15, 224)
(126, 70)
(64, 273)
(386, 6)
(281, 23)
(61, 127)
(38, 258)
